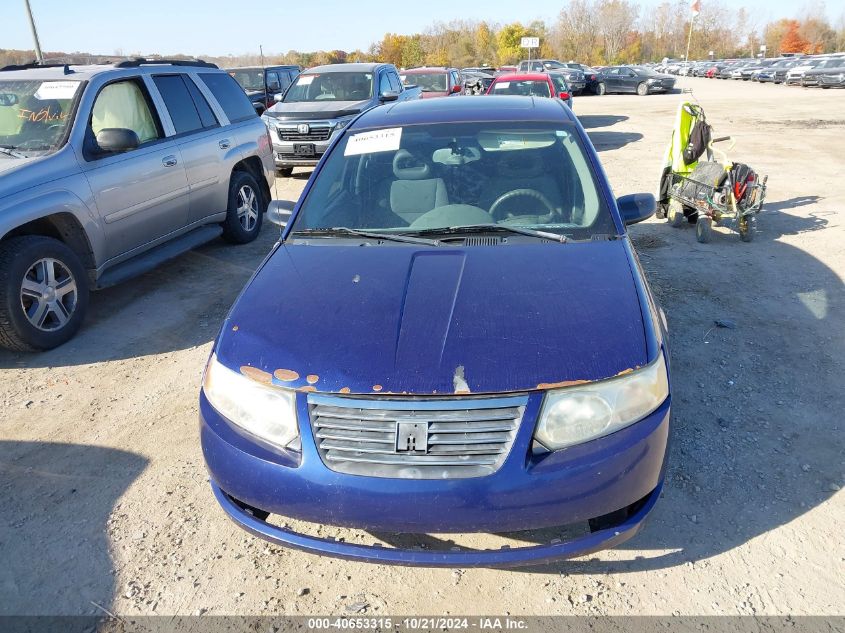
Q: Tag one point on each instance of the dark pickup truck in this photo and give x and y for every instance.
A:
(263, 84)
(321, 102)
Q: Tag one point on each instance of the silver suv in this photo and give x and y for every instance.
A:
(106, 171)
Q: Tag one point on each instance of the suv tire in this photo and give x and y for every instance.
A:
(246, 209)
(284, 172)
(43, 293)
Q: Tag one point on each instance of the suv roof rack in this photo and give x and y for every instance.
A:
(142, 61)
(35, 64)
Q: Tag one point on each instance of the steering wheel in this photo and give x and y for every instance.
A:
(516, 193)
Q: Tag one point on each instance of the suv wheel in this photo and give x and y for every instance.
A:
(284, 172)
(43, 293)
(246, 209)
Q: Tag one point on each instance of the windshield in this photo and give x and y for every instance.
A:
(423, 178)
(34, 115)
(553, 64)
(342, 86)
(429, 82)
(522, 88)
(249, 79)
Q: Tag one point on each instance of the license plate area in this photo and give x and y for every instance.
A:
(304, 149)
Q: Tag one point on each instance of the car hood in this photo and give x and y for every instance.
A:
(316, 109)
(8, 164)
(399, 319)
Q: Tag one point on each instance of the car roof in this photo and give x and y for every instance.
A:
(84, 72)
(262, 67)
(427, 69)
(464, 110)
(523, 77)
(358, 67)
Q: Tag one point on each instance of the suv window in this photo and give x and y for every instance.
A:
(384, 83)
(180, 104)
(125, 104)
(273, 82)
(230, 96)
(206, 114)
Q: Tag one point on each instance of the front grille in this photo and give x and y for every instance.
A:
(461, 438)
(313, 134)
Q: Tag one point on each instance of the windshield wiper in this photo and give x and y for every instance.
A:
(480, 228)
(10, 150)
(376, 235)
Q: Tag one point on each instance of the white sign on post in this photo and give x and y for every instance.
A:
(530, 42)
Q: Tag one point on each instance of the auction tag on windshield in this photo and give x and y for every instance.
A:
(503, 85)
(305, 80)
(372, 142)
(56, 90)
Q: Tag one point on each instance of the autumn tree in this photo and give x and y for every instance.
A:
(792, 42)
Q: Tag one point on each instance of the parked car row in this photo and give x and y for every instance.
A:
(825, 71)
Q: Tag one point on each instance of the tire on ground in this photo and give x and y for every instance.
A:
(245, 212)
(284, 172)
(61, 304)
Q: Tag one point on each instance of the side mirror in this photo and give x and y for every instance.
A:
(278, 97)
(117, 140)
(388, 95)
(636, 207)
(278, 211)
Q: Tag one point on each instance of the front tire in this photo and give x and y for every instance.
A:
(642, 89)
(601, 89)
(284, 172)
(675, 214)
(704, 229)
(246, 209)
(43, 293)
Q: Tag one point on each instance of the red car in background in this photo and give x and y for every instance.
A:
(550, 85)
(434, 82)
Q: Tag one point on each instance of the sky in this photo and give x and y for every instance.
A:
(220, 27)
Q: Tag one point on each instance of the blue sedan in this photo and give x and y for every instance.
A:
(453, 335)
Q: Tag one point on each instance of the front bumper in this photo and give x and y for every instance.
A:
(584, 482)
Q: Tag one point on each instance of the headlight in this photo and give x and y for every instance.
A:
(267, 412)
(651, 81)
(574, 415)
(342, 123)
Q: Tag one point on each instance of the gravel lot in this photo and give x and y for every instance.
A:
(104, 492)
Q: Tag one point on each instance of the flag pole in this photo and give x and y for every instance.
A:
(689, 38)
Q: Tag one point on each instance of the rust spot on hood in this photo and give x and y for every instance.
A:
(286, 375)
(572, 383)
(564, 383)
(377, 387)
(235, 328)
(259, 375)
(346, 390)
(312, 378)
(307, 389)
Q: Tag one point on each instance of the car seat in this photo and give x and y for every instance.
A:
(415, 191)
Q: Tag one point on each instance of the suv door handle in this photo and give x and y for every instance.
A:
(169, 161)
(224, 144)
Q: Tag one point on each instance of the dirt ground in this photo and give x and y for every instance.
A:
(104, 495)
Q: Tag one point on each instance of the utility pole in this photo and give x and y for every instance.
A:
(38, 54)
